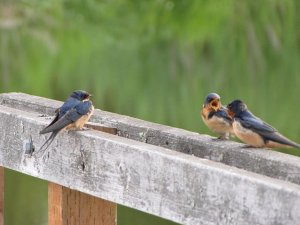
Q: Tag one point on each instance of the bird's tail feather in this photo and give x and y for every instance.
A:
(48, 141)
(279, 138)
(58, 125)
(289, 142)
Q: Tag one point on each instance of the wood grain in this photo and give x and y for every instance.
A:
(70, 207)
(261, 161)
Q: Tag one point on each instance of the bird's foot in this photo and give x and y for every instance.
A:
(216, 139)
(248, 146)
(77, 129)
(222, 138)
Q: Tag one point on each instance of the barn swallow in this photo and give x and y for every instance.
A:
(254, 131)
(72, 115)
(215, 116)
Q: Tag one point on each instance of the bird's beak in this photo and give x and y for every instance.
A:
(215, 104)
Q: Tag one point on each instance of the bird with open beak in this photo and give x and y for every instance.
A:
(215, 116)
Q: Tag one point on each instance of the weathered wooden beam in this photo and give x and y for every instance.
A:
(70, 207)
(267, 162)
(1, 195)
(169, 184)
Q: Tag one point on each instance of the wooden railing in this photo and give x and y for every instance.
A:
(168, 172)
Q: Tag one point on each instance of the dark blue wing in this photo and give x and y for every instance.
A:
(53, 121)
(69, 104)
(70, 116)
(78, 111)
(84, 107)
(254, 123)
(222, 113)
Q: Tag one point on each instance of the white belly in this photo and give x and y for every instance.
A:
(218, 125)
(84, 119)
(247, 136)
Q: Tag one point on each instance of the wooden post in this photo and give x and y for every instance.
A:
(70, 207)
(1, 195)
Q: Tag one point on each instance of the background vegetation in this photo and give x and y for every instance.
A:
(154, 60)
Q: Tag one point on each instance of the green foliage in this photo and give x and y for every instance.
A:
(157, 60)
(25, 199)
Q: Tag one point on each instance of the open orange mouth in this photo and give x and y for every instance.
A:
(215, 104)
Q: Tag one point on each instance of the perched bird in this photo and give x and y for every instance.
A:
(253, 131)
(72, 115)
(215, 116)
